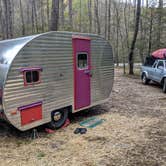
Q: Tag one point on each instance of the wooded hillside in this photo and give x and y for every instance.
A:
(113, 19)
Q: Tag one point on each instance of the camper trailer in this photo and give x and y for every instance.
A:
(46, 76)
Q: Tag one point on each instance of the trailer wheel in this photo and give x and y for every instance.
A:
(145, 80)
(58, 118)
(164, 85)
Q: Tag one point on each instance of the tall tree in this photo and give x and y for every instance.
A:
(62, 13)
(131, 53)
(90, 15)
(71, 14)
(150, 31)
(80, 24)
(106, 11)
(97, 16)
(42, 15)
(2, 21)
(160, 15)
(109, 19)
(54, 15)
(48, 13)
(8, 18)
(22, 18)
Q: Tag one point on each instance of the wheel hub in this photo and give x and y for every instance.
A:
(57, 116)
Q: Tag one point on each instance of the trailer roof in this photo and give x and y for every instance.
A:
(10, 48)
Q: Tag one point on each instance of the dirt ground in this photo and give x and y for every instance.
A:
(134, 133)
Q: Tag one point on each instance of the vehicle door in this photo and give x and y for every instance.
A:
(152, 71)
(159, 71)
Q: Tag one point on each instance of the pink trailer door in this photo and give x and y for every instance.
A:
(82, 63)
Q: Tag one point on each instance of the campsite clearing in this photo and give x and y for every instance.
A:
(134, 133)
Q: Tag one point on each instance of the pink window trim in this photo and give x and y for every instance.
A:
(80, 37)
(31, 69)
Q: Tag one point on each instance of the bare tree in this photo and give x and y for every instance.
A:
(80, 24)
(106, 11)
(8, 18)
(70, 14)
(2, 22)
(97, 16)
(160, 15)
(150, 31)
(48, 13)
(22, 18)
(54, 15)
(35, 14)
(130, 56)
(62, 13)
(109, 19)
(90, 15)
(42, 15)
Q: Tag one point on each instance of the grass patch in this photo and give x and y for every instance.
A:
(41, 155)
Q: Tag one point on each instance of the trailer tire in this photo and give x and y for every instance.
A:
(58, 118)
(164, 85)
(145, 80)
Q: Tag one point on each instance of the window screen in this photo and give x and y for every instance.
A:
(32, 77)
(35, 76)
(28, 77)
(82, 60)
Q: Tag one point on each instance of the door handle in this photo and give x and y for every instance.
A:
(88, 72)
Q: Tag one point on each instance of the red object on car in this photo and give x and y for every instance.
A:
(160, 54)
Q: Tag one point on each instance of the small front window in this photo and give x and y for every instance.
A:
(28, 77)
(82, 60)
(35, 76)
(31, 77)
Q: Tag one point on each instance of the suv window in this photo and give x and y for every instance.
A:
(154, 66)
(160, 63)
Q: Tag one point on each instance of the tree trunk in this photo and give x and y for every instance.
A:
(150, 32)
(97, 16)
(54, 15)
(42, 15)
(70, 14)
(80, 24)
(160, 15)
(33, 18)
(22, 18)
(48, 14)
(62, 13)
(105, 31)
(141, 42)
(130, 56)
(35, 15)
(109, 19)
(28, 20)
(90, 15)
(126, 26)
(8, 19)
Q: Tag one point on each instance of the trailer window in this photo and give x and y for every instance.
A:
(31, 77)
(35, 76)
(28, 77)
(82, 60)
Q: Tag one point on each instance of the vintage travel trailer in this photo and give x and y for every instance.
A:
(46, 76)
